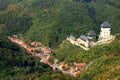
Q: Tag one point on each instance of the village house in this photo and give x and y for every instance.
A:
(78, 65)
(72, 69)
(46, 50)
(35, 43)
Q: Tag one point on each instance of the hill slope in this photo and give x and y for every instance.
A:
(102, 62)
(51, 21)
(15, 64)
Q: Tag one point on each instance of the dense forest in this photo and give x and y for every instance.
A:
(50, 22)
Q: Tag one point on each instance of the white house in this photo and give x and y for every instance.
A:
(105, 30)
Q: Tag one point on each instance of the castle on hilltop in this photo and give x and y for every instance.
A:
(92, 39)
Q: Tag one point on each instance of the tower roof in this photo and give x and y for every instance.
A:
(105, 24)
(91, 33)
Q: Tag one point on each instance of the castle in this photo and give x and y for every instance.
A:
(86, 42)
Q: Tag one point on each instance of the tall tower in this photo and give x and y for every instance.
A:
(105, 30)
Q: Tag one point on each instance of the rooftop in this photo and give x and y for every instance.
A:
(84, 38)
(105, 24)
(91, 33)
(72, 37)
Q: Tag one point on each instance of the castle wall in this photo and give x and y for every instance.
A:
(85, 43)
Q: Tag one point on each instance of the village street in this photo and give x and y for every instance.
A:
(44, 53)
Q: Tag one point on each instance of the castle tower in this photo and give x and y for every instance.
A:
(105, 30)
(91, 34)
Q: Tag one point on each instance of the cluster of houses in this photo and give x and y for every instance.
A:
(28, 48)
(86, 41)
(22, 44)
(46, 57)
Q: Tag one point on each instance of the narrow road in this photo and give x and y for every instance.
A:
(45, 58)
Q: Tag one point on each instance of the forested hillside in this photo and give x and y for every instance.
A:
(51, 22)
(15, 64)
(100, 60)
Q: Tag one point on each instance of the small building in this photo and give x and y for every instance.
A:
(105, 30)
(79, 65)
(91, 34)
(84, 40)
(46, 50)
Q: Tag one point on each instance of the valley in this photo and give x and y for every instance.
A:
(45, 57)
(45, 29)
